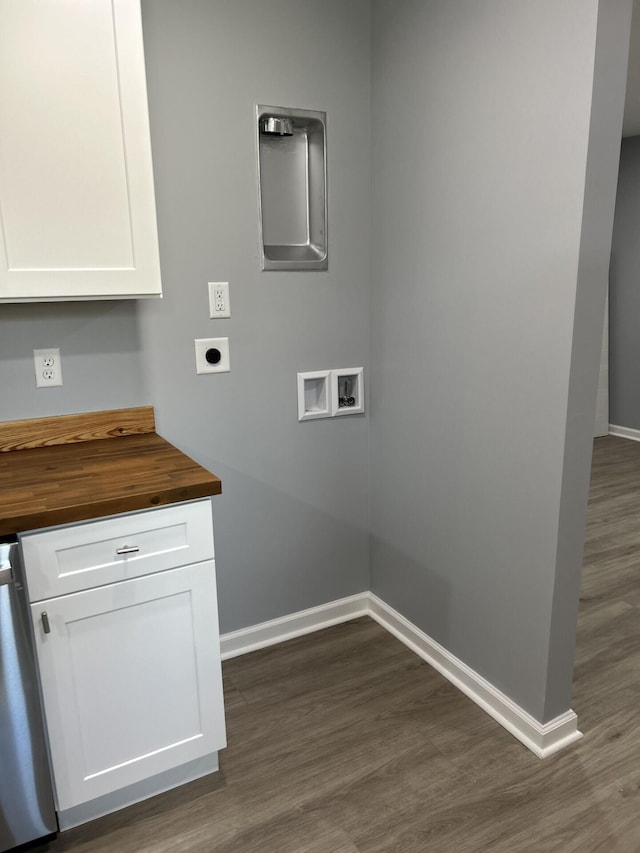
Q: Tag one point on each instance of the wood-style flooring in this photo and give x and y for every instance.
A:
(345, 742)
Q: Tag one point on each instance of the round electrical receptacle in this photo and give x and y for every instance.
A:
(213, 356)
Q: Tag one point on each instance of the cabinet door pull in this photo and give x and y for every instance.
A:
(127, 549)
(45, 622)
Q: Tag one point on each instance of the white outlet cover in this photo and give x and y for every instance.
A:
(203, 345)
(223, 287)
(48, 367)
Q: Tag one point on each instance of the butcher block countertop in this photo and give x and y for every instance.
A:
(71, 468)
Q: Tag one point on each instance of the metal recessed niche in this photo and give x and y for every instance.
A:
(292, 188)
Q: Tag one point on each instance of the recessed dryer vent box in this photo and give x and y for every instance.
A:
(292, 188)
(313, 395)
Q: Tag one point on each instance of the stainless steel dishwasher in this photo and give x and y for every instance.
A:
(26, 798)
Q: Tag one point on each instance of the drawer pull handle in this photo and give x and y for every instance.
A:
(127, 549)
(45, 622)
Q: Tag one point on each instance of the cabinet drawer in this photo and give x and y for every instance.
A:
(76, 557)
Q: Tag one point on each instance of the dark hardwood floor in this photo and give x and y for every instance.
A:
(345, 742)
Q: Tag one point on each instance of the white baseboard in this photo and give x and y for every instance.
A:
(624, 432)
(543, 739)
(294, 625)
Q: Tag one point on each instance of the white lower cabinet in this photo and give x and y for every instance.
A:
(130, 675)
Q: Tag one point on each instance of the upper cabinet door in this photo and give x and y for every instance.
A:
(77, 205)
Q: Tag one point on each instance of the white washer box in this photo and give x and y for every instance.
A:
(330, 393)
(347, 391)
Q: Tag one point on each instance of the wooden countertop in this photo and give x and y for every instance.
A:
(76, 467)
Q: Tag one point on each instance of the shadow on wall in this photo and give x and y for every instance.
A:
(100, 347)
(409, 574)
(113, 322)
(262, 575)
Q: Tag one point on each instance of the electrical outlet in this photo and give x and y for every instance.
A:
(219, 305)
(48, 367)
(212, 355)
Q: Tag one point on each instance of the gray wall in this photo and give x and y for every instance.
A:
(483, 308)
(291, 524)
(478, 189)
(624, 293)
(100, 348)
(614, 24)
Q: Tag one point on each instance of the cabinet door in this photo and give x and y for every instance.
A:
(131, 680)
(77, 206)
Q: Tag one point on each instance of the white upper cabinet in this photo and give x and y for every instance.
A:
(77, 205)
